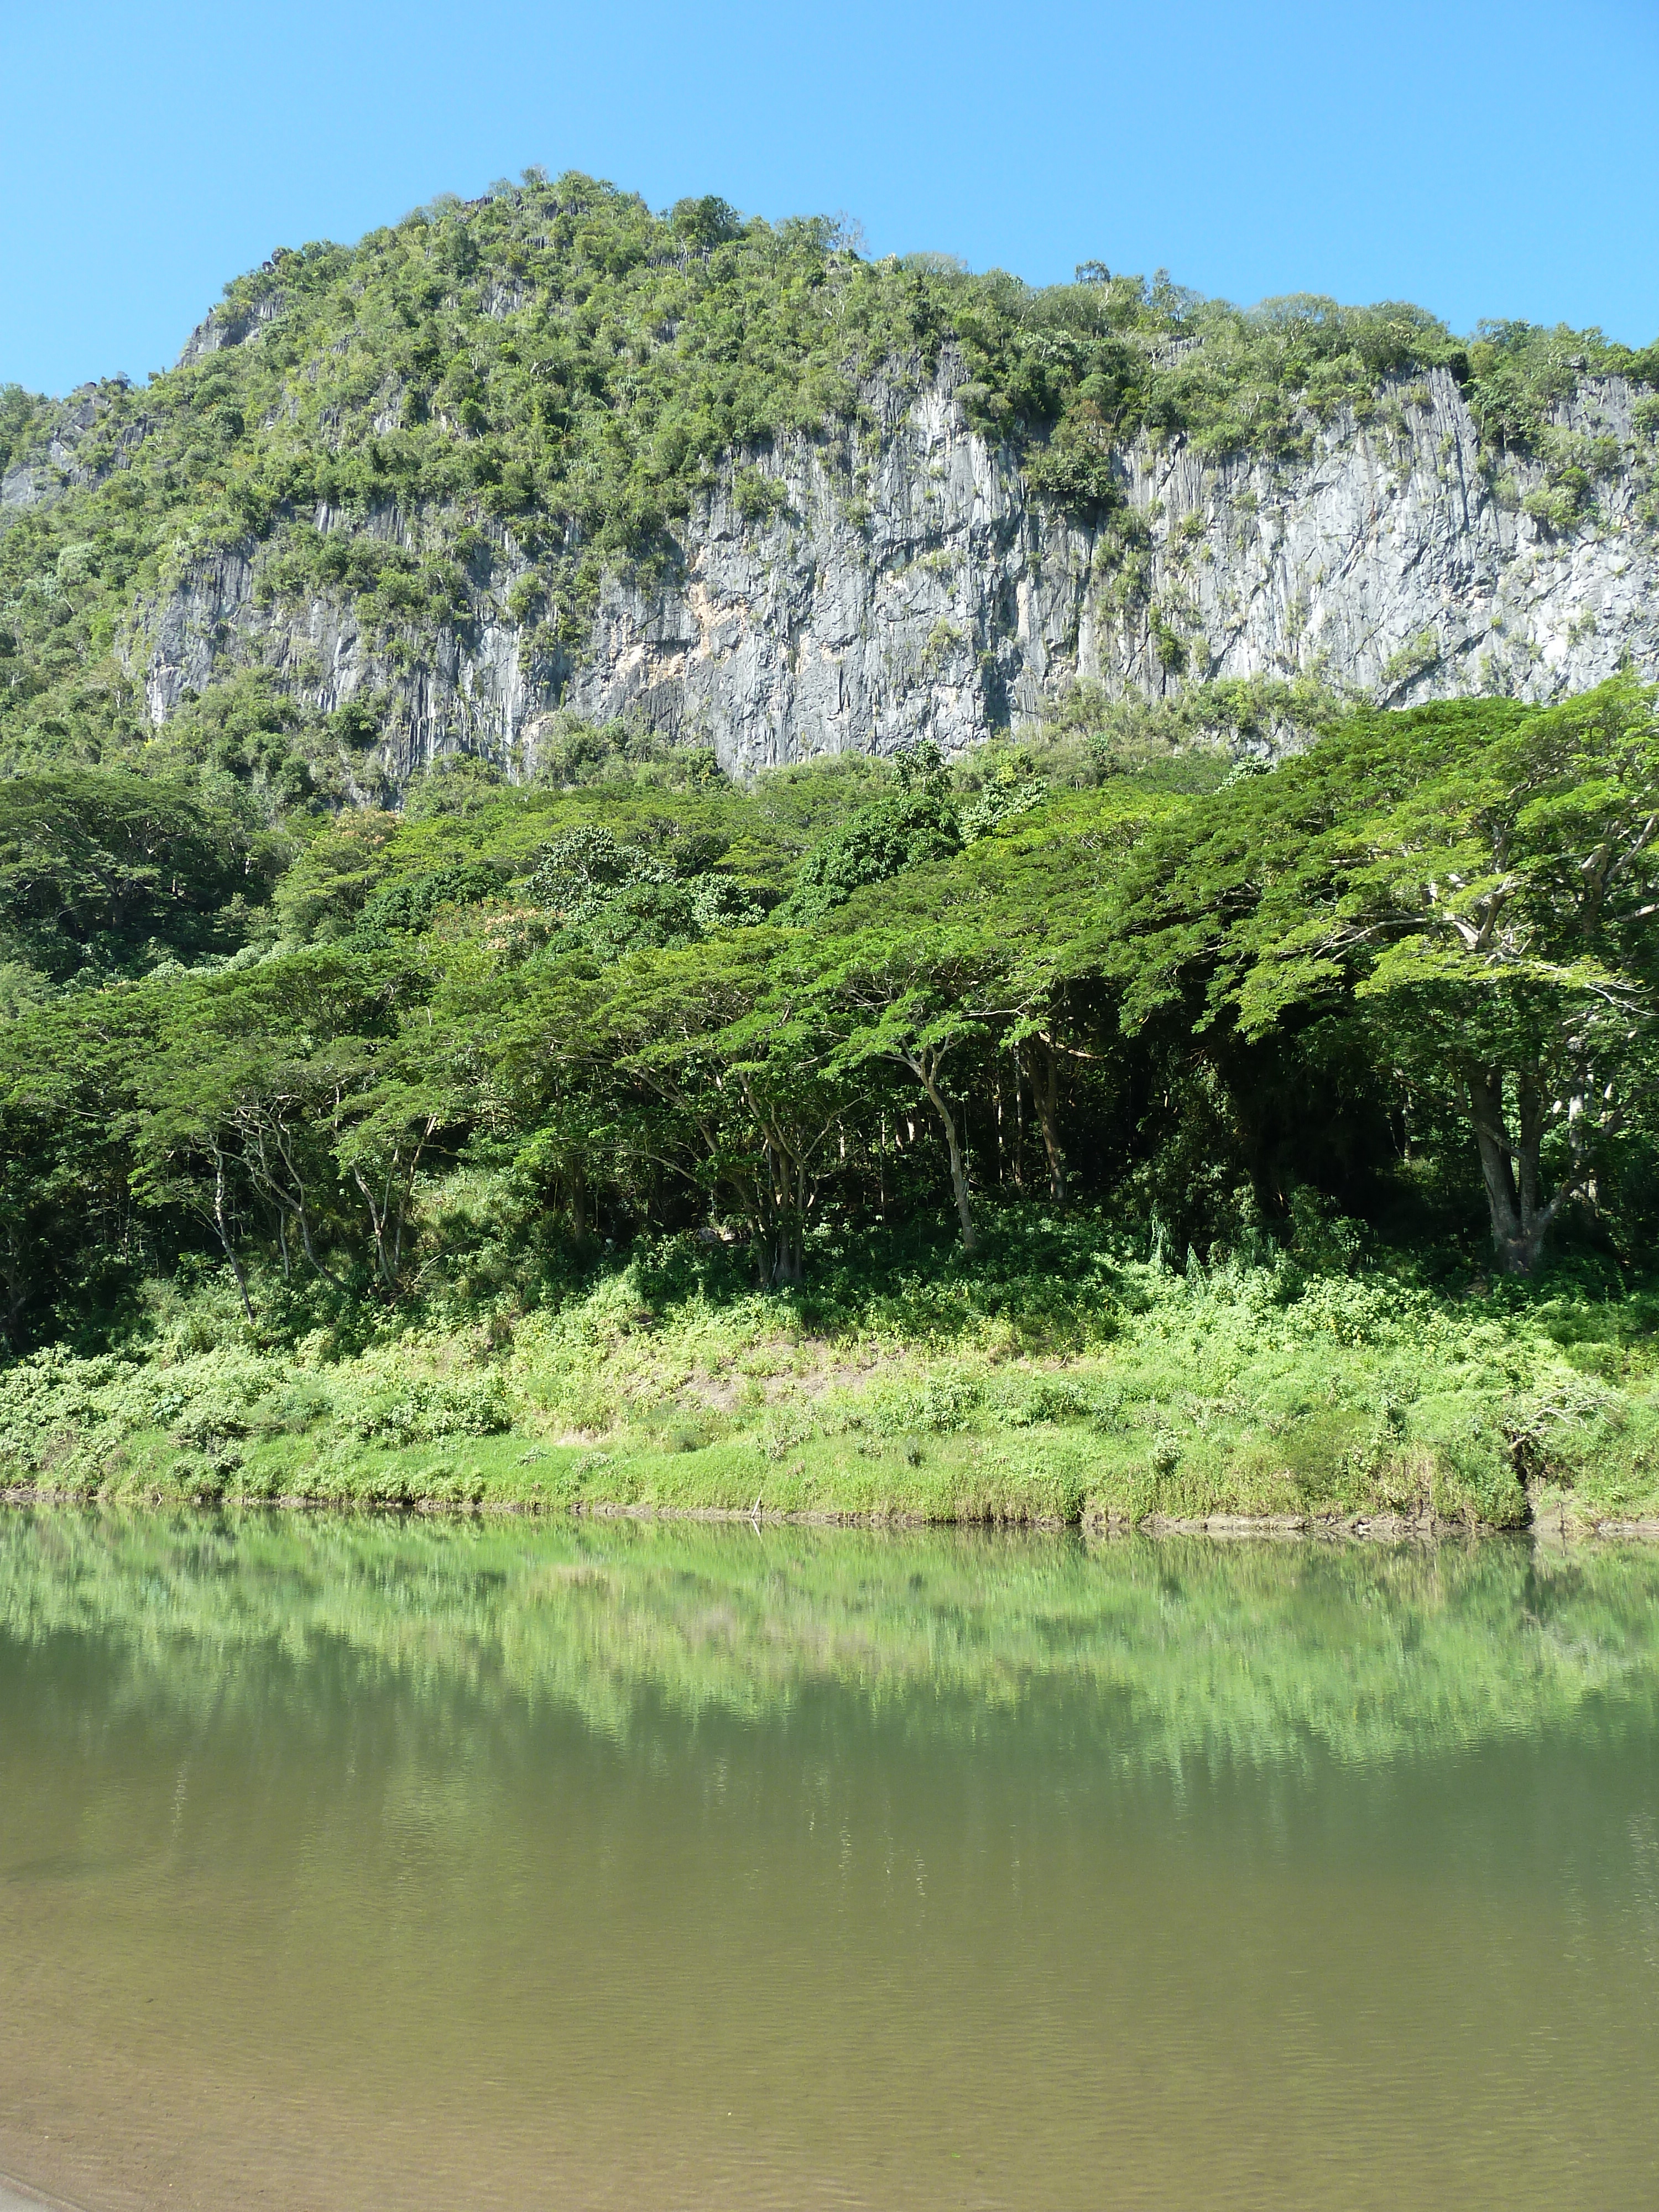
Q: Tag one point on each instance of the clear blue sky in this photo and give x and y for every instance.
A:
(1484, 157)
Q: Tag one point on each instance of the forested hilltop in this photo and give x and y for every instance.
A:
(549, 455)
(645, 861)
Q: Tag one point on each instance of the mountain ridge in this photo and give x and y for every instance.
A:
(545, 455)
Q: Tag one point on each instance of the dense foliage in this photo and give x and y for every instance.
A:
(1212, 1093)
(911, 1053)
(1414, 963)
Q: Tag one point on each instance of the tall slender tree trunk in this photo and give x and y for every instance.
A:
(789, 1259)
(223, 1227)
(293, 1201)
(1045, 1096)
(16, 1282)
(376, 1222)
(924, 1070)
(787, 1183)
(1510, 1171)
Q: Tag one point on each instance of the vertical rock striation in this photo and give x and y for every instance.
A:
(914, 587)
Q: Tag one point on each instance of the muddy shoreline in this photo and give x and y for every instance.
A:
(1382, 1527)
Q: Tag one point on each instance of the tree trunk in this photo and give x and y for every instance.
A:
(924, 1073)
(789, 1260)
(291, 1201)
(1045, 1094)
(378, 1221)
(16, 1283)
(223, 1227)
(327, 1273)
(1520, 1222)
(787, 1196)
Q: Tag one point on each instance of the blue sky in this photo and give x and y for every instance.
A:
(1483, 158)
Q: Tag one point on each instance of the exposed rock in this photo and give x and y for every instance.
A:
(45, 476)
(929, 594)
(229, 325)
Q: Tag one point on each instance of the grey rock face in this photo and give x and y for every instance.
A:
(46, 477)
(926, 593)
(227, 326)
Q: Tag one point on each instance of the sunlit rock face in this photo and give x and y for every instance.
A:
(912, 587)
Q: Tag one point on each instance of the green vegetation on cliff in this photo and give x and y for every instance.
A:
(540, 384)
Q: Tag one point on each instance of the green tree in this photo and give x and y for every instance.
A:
(273, 1091)
(922, 1000)
(103, 869)
(1477, 882)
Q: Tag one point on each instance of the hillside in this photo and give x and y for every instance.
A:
(548, 457)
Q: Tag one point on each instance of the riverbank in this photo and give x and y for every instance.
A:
(1052, 1383)
(1216, 1528)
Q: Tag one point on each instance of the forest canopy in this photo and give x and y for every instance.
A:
(1407, 977)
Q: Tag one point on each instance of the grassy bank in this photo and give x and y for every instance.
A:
(1052, 1378)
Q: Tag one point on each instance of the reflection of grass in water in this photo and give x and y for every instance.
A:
(1196, 1650)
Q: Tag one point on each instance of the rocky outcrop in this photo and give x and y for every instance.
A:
(229, 325)
(829, 598)
(59, 468)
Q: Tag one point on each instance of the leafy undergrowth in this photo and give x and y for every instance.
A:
(1048, 1383)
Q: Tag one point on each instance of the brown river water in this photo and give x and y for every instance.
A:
(408, 1864)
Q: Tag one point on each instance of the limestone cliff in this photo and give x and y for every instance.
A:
(932, 596)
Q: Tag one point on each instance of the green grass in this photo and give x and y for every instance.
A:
(1051, 1383)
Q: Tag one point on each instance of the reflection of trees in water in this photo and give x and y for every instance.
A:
(1191, 1650)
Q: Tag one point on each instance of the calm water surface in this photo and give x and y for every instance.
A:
(354, 1864)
